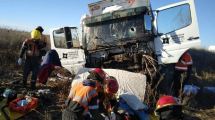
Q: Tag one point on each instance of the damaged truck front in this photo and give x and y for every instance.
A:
(128, 35)
(118, 39)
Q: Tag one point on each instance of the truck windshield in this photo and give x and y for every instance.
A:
(114, 32)
(66, 37)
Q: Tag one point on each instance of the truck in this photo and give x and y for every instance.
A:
(128, 35)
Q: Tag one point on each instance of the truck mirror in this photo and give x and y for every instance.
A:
(148, 22)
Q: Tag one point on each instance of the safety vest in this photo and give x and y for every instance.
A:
(184, 62)
(32, 47)
(83, 95)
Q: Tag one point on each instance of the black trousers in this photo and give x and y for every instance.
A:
(32, 64)
(179, 80)
(70, 115)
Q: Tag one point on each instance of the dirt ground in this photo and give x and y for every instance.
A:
(50, 106)
(51, 103)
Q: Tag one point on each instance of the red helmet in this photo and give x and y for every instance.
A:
(166, 101)
(112, 85)
(99, 73)
(168, 108)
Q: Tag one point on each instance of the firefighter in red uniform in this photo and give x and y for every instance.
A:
(83, 100)
(182, 73)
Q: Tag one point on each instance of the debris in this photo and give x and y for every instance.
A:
(43, 91)
(15, 82)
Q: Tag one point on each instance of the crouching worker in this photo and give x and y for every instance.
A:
(168, 108)
(108, 100)
(51, 62)
(83, 101)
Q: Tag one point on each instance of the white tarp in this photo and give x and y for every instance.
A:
(128, 81)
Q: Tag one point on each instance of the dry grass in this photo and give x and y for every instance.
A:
(12, 38)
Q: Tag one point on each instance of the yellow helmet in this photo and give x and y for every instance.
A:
(35, 34)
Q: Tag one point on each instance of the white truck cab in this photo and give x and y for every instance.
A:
(66, 42)
(171, 30)
(177, 31)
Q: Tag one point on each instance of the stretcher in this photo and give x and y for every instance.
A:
(7, 114)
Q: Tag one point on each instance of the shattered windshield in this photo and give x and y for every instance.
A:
(110, 33)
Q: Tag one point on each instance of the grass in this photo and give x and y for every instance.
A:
(12, 39)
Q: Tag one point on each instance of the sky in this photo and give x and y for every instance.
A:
(27, 14)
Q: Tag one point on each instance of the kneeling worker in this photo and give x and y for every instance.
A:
(83, 101)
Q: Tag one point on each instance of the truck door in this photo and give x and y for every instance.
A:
(177, 31)
(66, 42)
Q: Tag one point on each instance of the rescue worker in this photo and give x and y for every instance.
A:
(31, 48)
(108, 99)
(168, 108)
(83, 101)
(50, 62)
(183, 69)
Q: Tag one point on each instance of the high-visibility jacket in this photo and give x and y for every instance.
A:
(184, 62)
(83, 96)
(30, 46)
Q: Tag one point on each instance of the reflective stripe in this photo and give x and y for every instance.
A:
(186, 59)
(82, 94)
(93, 107)
(181, 68)
(187, 63)
(190, 63)
(183, 62)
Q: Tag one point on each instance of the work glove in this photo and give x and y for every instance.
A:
(19, 61)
